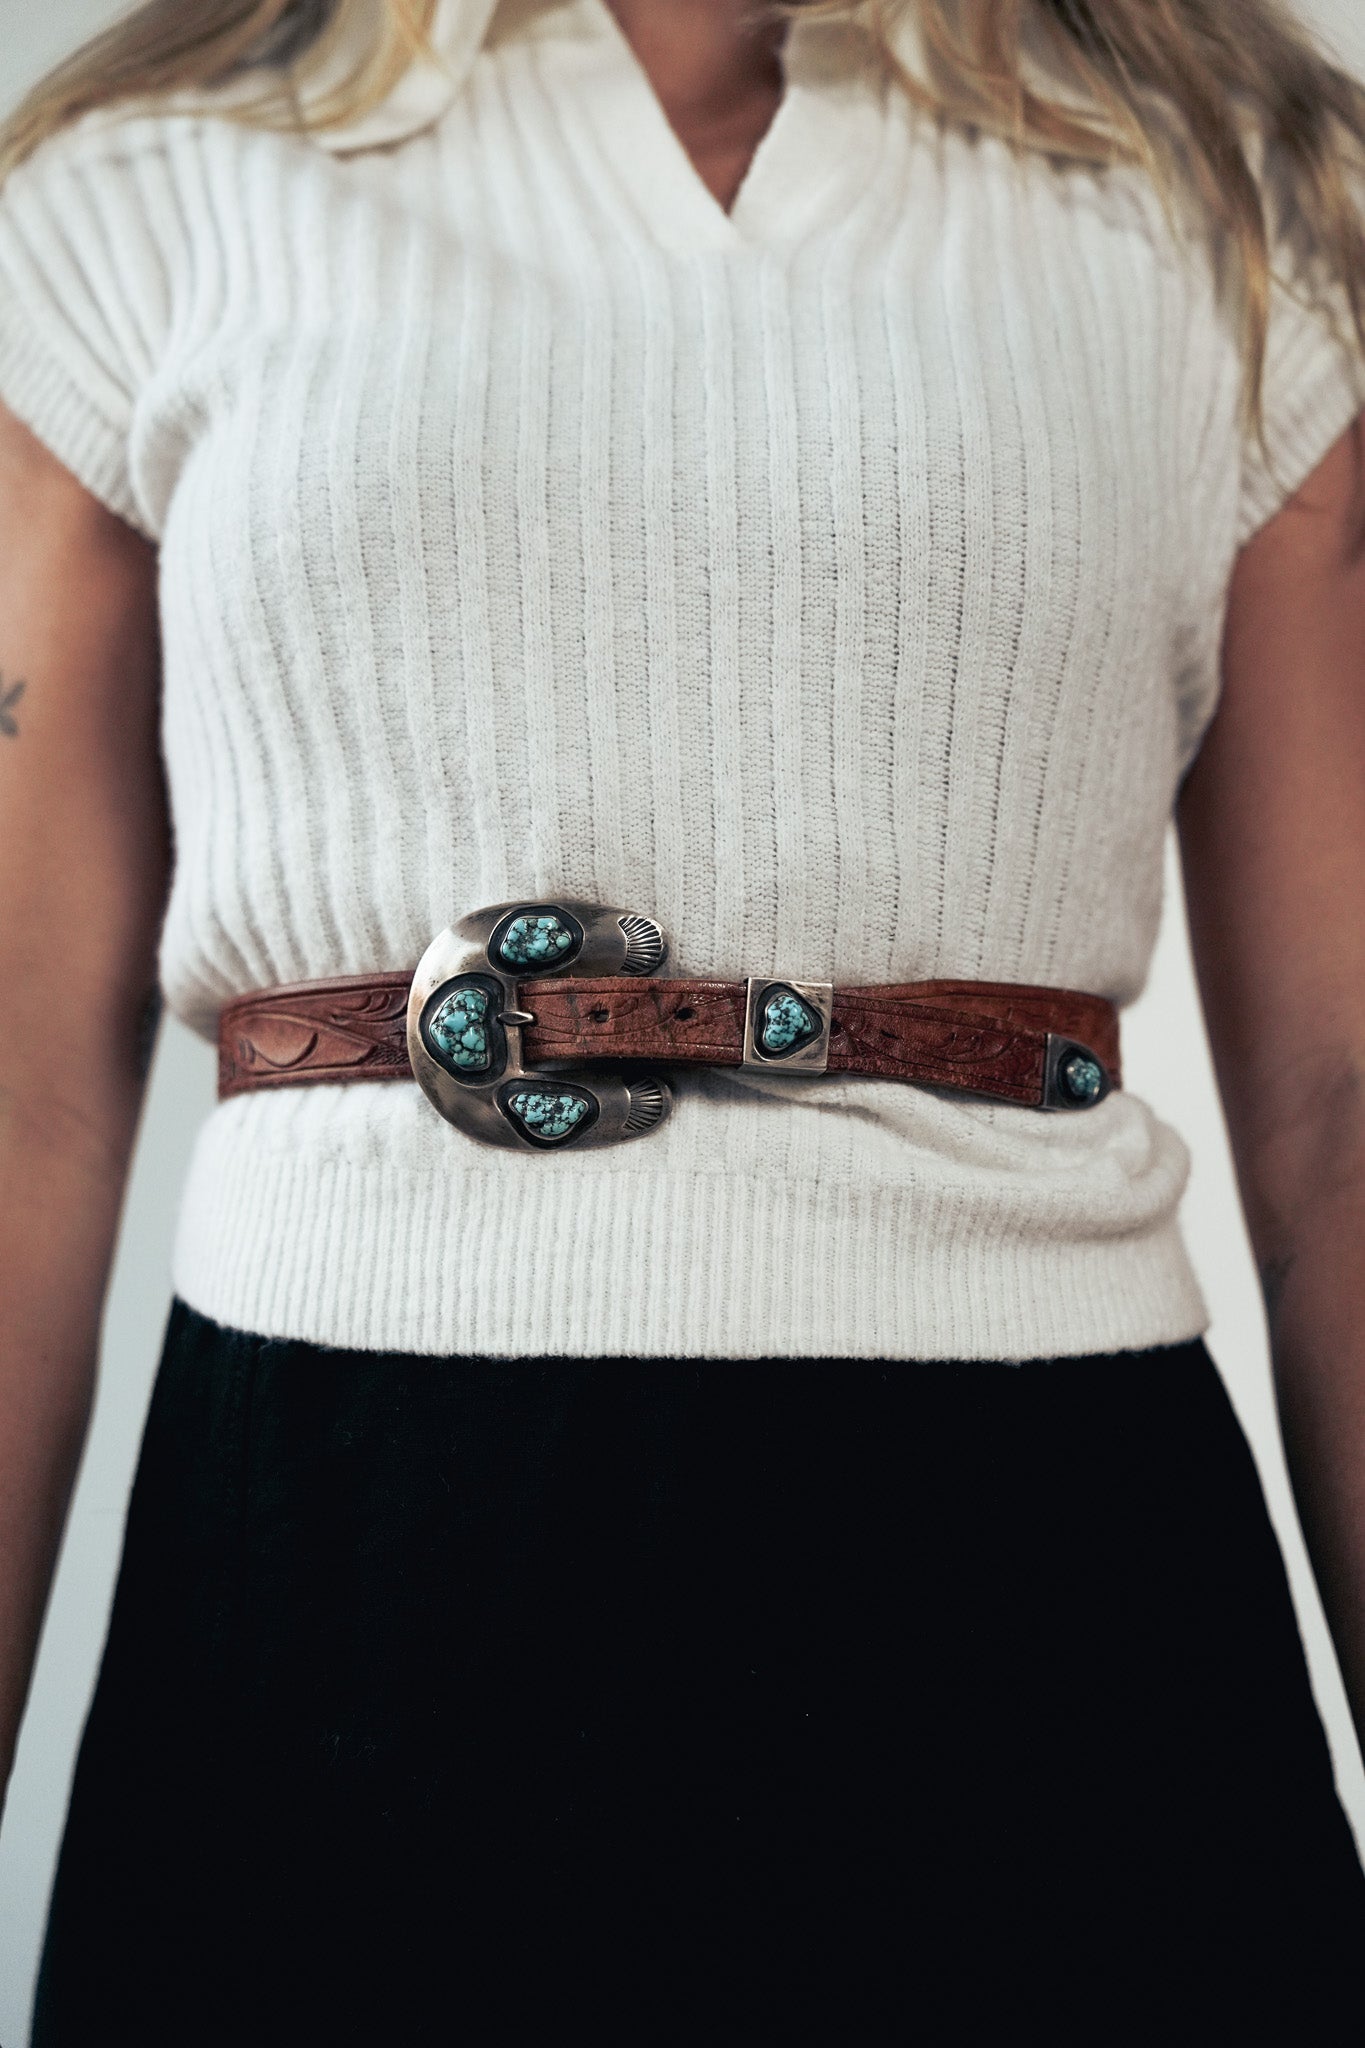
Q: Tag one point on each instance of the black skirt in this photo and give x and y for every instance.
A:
(510, 1701)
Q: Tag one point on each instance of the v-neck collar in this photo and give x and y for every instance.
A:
(815, 154)
(814, 146)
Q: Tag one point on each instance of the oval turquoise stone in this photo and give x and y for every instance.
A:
(788, 1022)
(536, 939)
(458, 1031)
(550, 1115)
(1082, 1077)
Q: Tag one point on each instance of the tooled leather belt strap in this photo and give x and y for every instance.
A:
(487, 1032)
(987, 1037)
(488, 1046)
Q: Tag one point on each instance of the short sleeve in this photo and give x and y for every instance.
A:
(81, 294)
(1314, 377)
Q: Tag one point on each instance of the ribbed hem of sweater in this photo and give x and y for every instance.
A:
(656, 1265)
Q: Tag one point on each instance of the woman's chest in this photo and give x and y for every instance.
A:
(847, 423)
(470, 402)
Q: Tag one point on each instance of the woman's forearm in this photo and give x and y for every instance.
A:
(1314, 1279)
(61, 1179)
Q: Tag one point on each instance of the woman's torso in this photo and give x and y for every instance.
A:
(837, 582)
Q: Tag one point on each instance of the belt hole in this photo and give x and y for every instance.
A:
(684, 1015)
(600, 1015)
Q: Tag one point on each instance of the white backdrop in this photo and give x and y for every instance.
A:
(1166, 1061)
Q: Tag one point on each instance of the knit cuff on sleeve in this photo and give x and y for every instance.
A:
(40, 391)
(1314, 387)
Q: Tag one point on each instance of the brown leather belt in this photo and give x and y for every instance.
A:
(476, 1023)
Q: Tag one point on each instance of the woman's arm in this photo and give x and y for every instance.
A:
(1272, 833)
(83, 870)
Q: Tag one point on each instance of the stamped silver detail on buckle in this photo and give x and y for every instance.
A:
(465, 1022)
(786, 1024)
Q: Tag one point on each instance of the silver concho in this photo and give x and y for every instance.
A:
(465, 1025)
(787, 1024)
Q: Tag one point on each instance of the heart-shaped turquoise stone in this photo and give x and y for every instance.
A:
(536, 939)
(788, 1022)
(458, 1031)
(550, 1115)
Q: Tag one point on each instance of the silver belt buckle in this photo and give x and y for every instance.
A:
(465, 1025)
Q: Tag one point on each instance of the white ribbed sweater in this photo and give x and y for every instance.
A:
(840, 581)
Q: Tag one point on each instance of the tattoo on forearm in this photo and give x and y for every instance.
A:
(9, 724)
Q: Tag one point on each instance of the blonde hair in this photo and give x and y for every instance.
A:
(1170, 85)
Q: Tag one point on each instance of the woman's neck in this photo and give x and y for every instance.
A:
(716, 68)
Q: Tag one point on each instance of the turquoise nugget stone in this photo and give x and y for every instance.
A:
(787, 1022)
(548, 1115)
(1083, 1078)
(535, 942)
(459, 1031)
